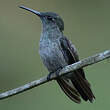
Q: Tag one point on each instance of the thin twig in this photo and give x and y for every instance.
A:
(66, 70)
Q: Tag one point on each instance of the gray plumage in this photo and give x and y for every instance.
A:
(56, 52)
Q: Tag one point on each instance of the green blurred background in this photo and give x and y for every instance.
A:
(87, 24)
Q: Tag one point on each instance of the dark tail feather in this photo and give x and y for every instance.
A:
(71, 92)
(83, 87)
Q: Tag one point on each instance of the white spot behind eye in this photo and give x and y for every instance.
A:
(50, 18)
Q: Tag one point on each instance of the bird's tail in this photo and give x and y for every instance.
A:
(75, 87)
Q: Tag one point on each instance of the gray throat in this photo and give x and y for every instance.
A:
(50, 32)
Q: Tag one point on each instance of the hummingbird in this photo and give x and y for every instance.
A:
(56, 52)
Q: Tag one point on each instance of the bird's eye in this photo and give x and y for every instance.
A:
(50, 18)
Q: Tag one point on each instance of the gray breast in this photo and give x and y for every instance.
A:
(51, 55)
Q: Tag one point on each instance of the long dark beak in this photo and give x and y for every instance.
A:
(31, 10)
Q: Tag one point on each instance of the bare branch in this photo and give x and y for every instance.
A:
(66, 70)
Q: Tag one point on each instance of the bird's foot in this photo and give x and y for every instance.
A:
(56, 73)
(49, 75)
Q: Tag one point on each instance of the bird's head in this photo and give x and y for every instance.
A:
(48, 18)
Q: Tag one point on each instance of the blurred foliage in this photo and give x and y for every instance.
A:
(87, 24)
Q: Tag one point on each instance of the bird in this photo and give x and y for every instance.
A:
(56, 52)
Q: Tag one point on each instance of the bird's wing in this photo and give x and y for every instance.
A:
(75, 84)
(70, 53)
